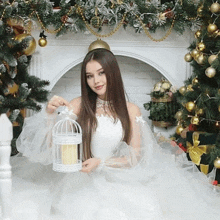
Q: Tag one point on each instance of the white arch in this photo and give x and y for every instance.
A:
(117, 53)
(148, 61)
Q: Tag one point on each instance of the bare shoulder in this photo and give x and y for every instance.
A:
(75, 105)
(133, 110)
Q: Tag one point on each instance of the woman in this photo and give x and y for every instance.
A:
(102, 94)
(125, 175)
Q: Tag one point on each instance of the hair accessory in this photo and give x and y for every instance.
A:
(98, 44)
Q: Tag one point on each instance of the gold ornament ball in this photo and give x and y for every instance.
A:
(201, 59)
(195, 53)
(198, 34)
(188, 57)
(195, 120)
(215, 7)
(201, 46)
(31, 43)
(212, 28)
(166, 85)
(200, 10)
(98, 44)
(95, 22)
(42, 42)
(210, 72)
(182, 90)
(190, 106)
(200, 111)
(179, 129)
(212, 58)
(189, 88)
(216, 33)
(195, 81)
(179, 115)
(217, 163)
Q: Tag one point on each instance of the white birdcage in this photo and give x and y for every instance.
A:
(67, 144)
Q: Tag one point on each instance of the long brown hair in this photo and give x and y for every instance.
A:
(115, 93)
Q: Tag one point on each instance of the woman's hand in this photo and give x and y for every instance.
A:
(55, 102)
(90, 164)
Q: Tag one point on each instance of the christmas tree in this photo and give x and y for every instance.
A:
(18, 90)
(199, 118)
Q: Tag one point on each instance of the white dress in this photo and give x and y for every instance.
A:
(152, 188)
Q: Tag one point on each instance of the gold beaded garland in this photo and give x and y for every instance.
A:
(148, 33)
(80, 11)
(46, 29)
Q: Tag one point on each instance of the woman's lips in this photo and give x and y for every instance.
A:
(98, 87)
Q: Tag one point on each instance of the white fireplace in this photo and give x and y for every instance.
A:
(142, 62)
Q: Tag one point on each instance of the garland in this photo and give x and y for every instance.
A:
(92, 15)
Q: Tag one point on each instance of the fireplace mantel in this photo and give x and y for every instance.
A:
(63, 53)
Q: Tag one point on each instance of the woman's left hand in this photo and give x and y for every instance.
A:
(90, 164)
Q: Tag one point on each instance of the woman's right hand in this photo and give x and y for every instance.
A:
(55, 102)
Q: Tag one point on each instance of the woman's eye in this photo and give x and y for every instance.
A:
(88, 76)
(101, 73)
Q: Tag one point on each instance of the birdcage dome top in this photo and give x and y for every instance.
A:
(67, 130)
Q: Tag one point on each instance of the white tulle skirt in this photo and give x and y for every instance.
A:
(162, 191)
(163, 185)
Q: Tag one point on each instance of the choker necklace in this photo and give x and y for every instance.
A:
(102, 103)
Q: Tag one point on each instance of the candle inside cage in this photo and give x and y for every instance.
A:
(67, 145)
(69, 153)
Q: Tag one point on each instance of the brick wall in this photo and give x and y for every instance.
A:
(139, 78)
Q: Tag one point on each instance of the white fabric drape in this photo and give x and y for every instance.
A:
(135, 182)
